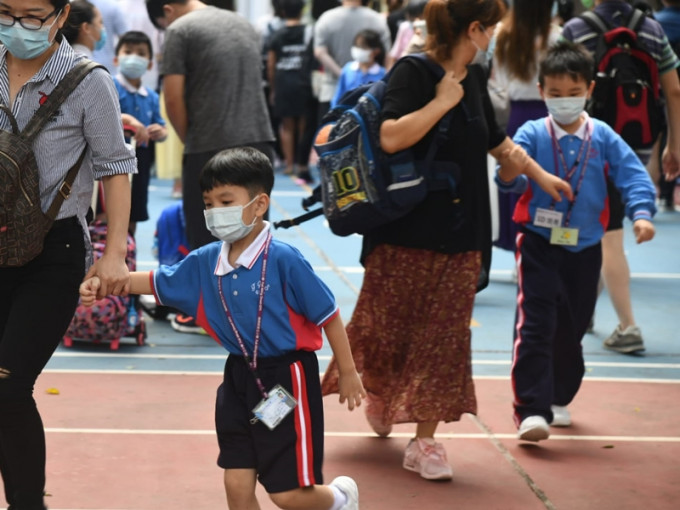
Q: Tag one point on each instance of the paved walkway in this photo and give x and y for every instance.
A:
(133, 430)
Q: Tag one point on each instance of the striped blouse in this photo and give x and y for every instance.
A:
(90, 117)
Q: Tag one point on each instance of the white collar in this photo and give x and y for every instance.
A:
(580, 132)
(83, 50)
(247, 257)
(130, 87)
(374, 69)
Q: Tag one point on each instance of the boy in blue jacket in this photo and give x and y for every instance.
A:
(558, 247)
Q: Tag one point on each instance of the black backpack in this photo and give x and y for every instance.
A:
(362, 187)
(626, 94)
(23, 225)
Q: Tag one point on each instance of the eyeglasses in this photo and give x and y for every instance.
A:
(28, 22)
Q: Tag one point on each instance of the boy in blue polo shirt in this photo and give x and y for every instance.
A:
(558, 247)
(260, 299)
(133, 58)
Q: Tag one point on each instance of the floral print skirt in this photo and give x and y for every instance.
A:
(410, 334)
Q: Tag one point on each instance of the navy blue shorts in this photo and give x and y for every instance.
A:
(291, 455)
(617, 211)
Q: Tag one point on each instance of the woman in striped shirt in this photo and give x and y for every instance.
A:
(37, 300)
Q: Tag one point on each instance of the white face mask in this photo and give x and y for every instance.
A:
(361, 55)
(226, 223)
(565, 110)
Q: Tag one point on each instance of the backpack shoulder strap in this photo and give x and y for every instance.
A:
(635, 20)
(63, 89)
(595, 21)
(434, 68)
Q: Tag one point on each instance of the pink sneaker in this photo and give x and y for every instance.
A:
(428, 459)
(375, 408)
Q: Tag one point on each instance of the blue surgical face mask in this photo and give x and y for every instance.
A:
(226, 223)
(27, 44)
(133, 66)
(99, 45)
(565, 110)
(484, 57)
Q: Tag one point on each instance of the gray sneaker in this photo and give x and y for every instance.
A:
(625, 341)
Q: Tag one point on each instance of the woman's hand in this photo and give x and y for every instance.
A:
(449, 91)
(113, 274)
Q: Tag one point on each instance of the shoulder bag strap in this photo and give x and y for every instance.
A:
(10, 116)
(63, 89)
(67, 85)
(595, 21)
(65, 188)
(637, 17)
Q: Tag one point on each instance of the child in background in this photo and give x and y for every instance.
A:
(368, 58)
(289, 76)
(260, 299)
(133, 58)
(558, 248)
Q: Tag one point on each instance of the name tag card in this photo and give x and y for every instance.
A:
(547, 218)
(272, 410)
(564, 236)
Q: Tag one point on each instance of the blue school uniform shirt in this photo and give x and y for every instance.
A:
(142, 103)
(297, 304)
(352, 77)
(609, 156)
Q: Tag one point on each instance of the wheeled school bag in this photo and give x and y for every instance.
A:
(363, 187)
(170, 247)
(112, 317)
(23, 225)
(627, 93)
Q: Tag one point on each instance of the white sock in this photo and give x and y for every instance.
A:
(339, 498)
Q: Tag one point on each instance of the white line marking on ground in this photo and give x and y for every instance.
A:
(401, 435)
(220, 373)
(601, 364)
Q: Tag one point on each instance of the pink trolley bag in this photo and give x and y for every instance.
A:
(113, 317)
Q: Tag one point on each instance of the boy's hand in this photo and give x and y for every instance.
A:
(644, 230)
(351, 389)
(449, 90)
(156, 132)
(554, 186)
(88, 290)
(114, 276)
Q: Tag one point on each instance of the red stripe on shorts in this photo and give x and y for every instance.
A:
(304, 446)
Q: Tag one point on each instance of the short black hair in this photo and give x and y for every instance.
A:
(567, 58)
(155, 9)
(241, 166)
(134, 37)
(291, 9)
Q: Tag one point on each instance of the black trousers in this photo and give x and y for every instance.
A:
(197, 233)
(557, 291)
(37, 302)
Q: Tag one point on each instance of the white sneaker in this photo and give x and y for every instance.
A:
(533, 428)
(349, 488)
(561, 416)
(428, 459)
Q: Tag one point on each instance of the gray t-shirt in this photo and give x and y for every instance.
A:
(218, 52)
(336, 30)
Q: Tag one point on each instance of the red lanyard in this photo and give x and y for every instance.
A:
(252, 364)
(583, 156)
